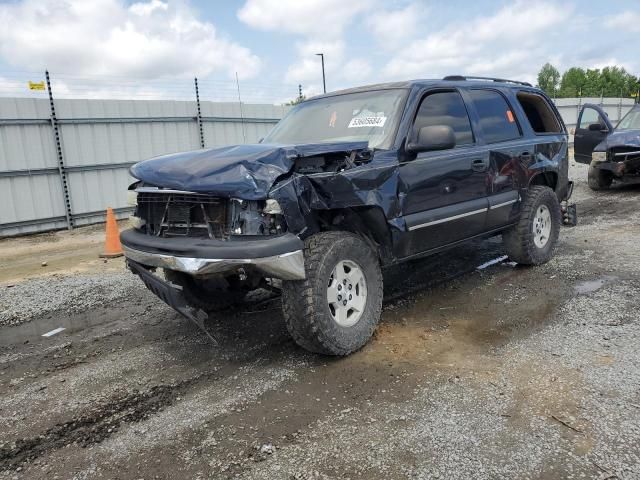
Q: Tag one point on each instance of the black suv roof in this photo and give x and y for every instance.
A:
(450, 80)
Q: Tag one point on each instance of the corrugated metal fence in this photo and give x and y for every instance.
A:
(569, 108)
(46, 185)
(44, 188)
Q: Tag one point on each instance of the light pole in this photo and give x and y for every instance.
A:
(324, 82)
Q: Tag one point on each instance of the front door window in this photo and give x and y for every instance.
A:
(448, 109)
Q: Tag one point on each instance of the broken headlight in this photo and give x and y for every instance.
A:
(132, 198)
(132, 201)
(272, 207)
(599, 156)
(256, 218)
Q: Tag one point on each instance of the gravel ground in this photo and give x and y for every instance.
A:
(501, 372)
(40, 297)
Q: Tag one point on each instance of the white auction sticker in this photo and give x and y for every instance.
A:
(367, 122)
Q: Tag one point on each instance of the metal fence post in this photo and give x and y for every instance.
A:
(620, 107)
(199, 117)
(61, 167)
(244, 137)
(578, 107)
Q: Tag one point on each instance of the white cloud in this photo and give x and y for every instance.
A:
(105, 37)
(357, 69)
(514, 41)
(148, 8)
(308, 67)
(303, 17)
(391, 27)
(320, 24)
(628, 21)
(166, 43)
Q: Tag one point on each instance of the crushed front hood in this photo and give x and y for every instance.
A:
(623, 138)
(242, 171)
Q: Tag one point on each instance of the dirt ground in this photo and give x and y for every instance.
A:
(497, 372)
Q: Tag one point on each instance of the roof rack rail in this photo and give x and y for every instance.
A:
(503, 80)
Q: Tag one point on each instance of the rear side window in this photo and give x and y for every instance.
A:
(539, 113)
(446, 108)
(497, 120)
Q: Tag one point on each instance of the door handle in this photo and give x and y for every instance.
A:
(478, 165)
(526, 156)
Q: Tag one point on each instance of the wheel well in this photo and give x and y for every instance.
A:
(368, 222)
(547, 179)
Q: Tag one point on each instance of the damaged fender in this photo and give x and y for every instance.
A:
(374, 184)
(355, 178)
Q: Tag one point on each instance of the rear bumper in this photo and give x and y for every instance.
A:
(276, 257)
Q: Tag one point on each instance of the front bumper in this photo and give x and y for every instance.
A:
(171, 295)
(617, 168)
(276, 257)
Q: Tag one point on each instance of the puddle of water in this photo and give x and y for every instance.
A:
(57, 325)
(590, 286)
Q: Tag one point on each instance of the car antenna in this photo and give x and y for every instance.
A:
(244, 139)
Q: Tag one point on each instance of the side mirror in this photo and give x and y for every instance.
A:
(597, 127)
(435, 137)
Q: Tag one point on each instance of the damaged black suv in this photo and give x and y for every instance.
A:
(346, 184)
(612, 153)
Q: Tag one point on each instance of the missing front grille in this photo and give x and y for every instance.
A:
(193, 215)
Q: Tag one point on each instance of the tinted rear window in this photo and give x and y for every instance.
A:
(497, 120)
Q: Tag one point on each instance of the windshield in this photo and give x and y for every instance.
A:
(631, 121)
(354, 117)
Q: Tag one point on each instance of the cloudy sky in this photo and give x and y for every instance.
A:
(99, 45)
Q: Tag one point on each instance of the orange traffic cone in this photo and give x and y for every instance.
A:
(112, 247)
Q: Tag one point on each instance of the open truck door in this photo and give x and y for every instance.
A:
(592, 128)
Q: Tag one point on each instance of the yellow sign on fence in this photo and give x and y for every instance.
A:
(36, 85)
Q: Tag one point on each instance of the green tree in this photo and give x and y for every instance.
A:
(635, 89)
(593, 83)
(549, 78)
(572, 83)
(296, 101)
(616, 82)
(611, 81)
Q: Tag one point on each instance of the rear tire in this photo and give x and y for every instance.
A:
(210, 295)
(599, 179)
(336, 309)
(533, 239)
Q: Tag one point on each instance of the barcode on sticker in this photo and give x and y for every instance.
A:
(367, 122)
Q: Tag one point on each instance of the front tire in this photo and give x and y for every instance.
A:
(533, 239)
(336, 309)
(599, 179)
